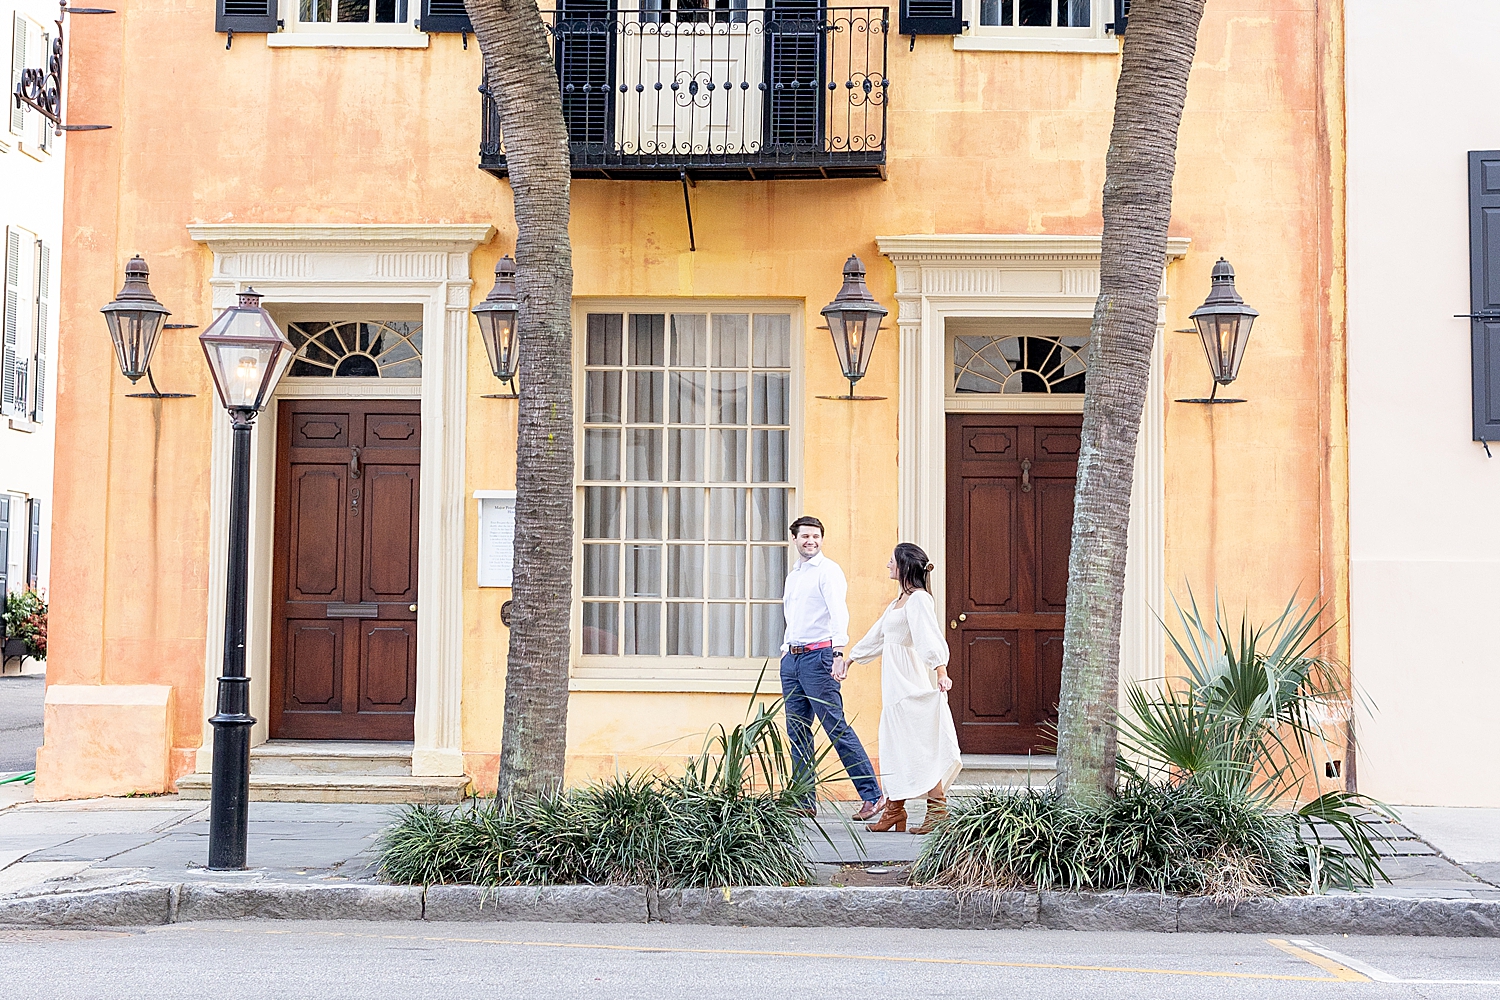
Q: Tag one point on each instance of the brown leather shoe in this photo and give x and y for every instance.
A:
(867, 810)
(937, 811)
(894, 818)
(807, 812)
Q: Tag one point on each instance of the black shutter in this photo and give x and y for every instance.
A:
(585, 33)
(33, 542)
(932, 17)
(1122, 14)
(1484, 290)
(254, 16)
(796, 74)
(445, 16)
(4, 553)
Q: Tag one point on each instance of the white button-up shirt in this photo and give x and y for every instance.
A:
(814, 603)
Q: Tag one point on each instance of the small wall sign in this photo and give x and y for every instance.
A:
(497, 535)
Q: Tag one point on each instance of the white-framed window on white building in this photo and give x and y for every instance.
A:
(1040, 25)
(687, 483)
(27, 324)
(30, 47)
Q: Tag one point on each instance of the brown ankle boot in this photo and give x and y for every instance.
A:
(937, 811)
(894, 817)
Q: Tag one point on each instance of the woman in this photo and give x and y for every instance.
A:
(918, 744)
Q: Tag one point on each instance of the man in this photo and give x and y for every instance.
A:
(813, 664)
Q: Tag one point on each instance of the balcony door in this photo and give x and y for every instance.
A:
(690, 74)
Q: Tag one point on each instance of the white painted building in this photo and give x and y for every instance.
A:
(31, 193)
(1423, 386)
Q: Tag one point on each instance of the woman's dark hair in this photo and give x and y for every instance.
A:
(912, 567)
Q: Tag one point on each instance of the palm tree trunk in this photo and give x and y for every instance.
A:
(1158, 56)
(518, 65)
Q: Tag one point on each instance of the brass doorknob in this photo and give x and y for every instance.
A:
(411, 607)
(963, 618)
(953, 624)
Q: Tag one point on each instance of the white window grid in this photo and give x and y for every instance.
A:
(1040, 18)
(687, 482)
(344, 15)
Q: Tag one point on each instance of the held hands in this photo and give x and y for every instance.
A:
(840, 668)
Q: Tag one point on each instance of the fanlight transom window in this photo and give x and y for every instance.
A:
(356, 349)
(1020, 364)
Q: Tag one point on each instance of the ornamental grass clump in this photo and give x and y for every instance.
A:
(1218, 796)
(732, 818)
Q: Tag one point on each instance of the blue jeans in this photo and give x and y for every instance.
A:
(809, 688)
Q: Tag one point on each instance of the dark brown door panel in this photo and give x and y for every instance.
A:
(1011, 479)
(344, 631)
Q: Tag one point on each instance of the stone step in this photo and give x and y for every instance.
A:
(981, 771)
(371, 788)
(314, 757)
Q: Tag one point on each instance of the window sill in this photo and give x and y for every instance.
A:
(729, 679)
(1109, 45)
(346, 40)
(24, 425)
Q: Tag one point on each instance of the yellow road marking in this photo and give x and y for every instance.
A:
(1340, 973)
(1338, 970)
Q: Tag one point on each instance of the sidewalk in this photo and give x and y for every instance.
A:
(48, 847)
(97, 843)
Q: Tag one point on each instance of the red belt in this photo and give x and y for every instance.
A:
(796, 650)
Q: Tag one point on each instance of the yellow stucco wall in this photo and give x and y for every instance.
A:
(979, 142)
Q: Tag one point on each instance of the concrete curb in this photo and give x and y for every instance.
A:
(758, 906)
(553, 904)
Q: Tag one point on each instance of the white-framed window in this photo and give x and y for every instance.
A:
(687, 470)
(26, 329)
(31, 48)
(1039, 25)
(1015, 365)
(349, 23)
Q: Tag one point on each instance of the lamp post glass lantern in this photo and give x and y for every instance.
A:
(854, 319)
(1223, 324)
(247, 354)
(497, 327)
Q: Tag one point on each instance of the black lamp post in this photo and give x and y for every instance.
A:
(854, 319)
(247, 354)
(136, 320)
(1223, 323)
(497, 327)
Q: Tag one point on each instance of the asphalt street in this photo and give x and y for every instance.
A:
(20, 720)
(252, 959)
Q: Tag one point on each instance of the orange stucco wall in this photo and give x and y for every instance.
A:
(979, 142)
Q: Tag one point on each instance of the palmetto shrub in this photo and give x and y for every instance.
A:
(732, 818)
(1217, 796)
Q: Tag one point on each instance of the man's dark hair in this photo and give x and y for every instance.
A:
(807, 522)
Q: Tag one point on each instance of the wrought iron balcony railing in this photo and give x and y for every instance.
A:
(716, 89)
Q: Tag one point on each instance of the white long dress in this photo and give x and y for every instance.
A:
(918, 744)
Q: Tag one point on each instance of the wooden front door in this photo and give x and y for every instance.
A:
(344, 620)
(1010, 526)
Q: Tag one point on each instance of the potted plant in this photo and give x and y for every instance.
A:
(25, 626)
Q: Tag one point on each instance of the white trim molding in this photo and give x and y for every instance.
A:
(1017, 276)
(361, 265)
